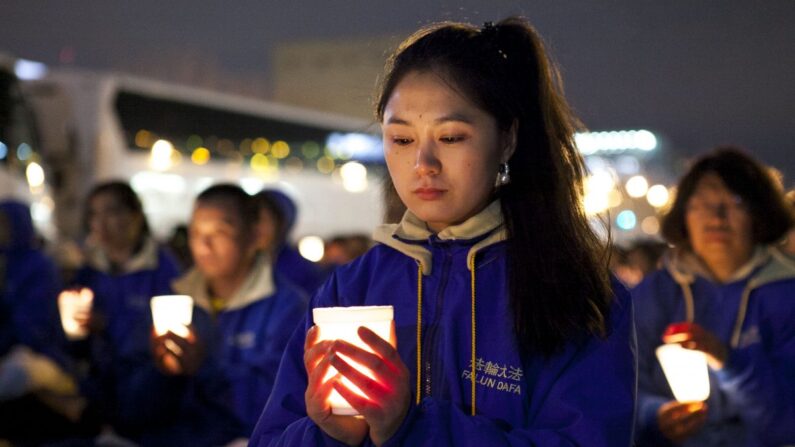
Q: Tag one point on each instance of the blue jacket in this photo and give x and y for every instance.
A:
(302, 272)
(252, 330)
(582, 396)
(141, 403)
(752, 399)
(29, 285)
(122, 298)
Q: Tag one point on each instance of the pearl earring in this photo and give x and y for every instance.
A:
(504, 174)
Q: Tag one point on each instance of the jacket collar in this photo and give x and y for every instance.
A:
(765, 266)
(404, 236)
(144, 259)
(257, 285)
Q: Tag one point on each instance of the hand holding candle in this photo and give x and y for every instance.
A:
(177, 355)
(354, 368)
(384, 381)
(74, 306)
(342, 323)
(317, 361)
(686, 371)
(175, 347)
(678, 421)
(693, 336)
(172, 313)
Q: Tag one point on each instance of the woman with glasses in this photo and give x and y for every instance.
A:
(725, 292)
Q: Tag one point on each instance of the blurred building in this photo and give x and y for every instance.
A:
(339, 76)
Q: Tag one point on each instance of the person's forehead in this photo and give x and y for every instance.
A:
(711, 185)
(106, 201)
(216, 211)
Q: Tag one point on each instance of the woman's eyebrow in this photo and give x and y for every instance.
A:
(397, 120)
(454, 117)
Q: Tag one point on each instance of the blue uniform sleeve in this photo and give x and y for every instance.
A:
(758, 376)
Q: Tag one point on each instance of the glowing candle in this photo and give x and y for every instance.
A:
(172, 313)
(75, 308)
(686, 372)
(342, 323)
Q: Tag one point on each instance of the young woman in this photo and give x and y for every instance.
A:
(724, 291)
(509, 330)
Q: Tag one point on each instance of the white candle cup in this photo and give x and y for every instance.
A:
(342, 323)
(686, 372)
(74, 306)
(172, 313)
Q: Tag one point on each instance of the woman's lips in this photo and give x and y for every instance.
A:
(429, 193)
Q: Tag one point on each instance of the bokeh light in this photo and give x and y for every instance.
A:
(162, 154)
(200, 156)
(312, 248)
(650, 225)
(280, 149)
(657, 196)
(626, 220)
(354, 176)
(637, 186)
(35, 175)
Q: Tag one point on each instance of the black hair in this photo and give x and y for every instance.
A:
(557, 267)
(265, 200)
(234, 196)
(771, 215)
(123, 195)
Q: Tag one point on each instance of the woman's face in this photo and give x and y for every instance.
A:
(443, 152)
(718, 222)
(112, 225)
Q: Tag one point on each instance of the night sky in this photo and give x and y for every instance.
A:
(699, 73)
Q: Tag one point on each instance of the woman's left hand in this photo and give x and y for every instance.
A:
(388, 394)
(693, 336)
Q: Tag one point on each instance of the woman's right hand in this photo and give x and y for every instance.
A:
(678, 421)
(347, 429)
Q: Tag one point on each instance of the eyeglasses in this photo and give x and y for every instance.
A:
(702, 207)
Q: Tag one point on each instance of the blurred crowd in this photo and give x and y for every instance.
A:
(81, 364)
(80, 361)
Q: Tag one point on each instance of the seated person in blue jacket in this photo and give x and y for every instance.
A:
(124, 269)
(509, 328)
(724, 291)
(35, 387)
(277, 216)
(254, 309)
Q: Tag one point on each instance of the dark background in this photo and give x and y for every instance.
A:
(699, 73)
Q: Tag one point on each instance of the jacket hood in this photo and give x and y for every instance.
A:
(257, 285)
(406, 235)
(767, 265)
(288, 207)
(20, 224)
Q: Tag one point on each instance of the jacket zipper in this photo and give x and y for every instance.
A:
(428, 344)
